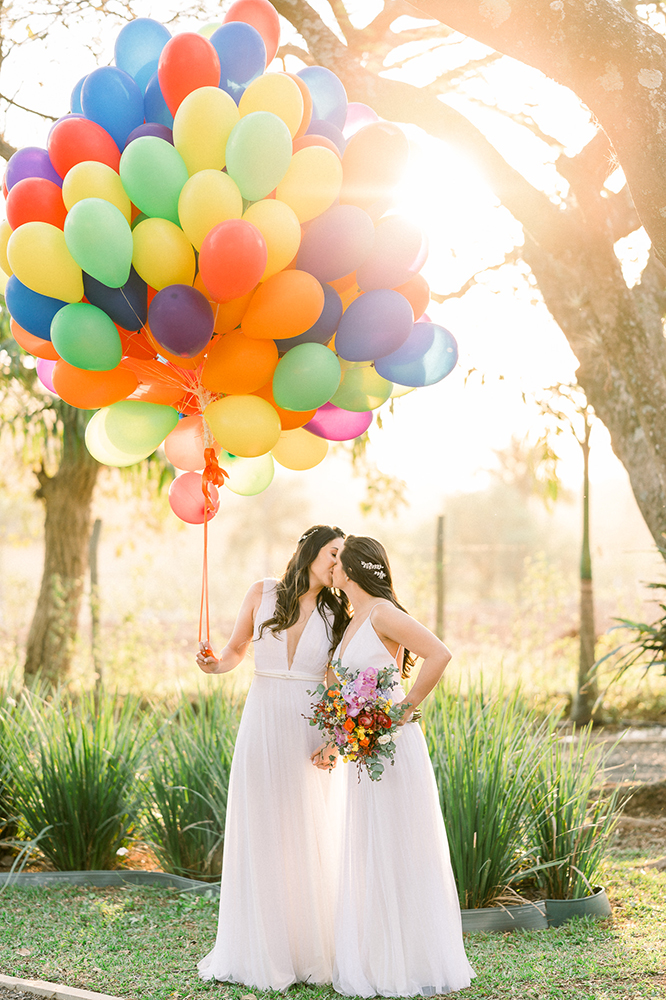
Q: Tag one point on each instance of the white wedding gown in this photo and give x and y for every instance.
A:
(283, 826)
(398, 928)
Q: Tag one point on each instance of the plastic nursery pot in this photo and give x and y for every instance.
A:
(558, 911)
(525, 916)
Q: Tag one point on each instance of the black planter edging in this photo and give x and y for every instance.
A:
(107, 878)
(524, 916)
(597, 905)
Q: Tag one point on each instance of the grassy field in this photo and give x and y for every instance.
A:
(143, 944)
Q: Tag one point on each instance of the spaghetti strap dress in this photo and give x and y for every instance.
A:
(398, 927)
(283, 824)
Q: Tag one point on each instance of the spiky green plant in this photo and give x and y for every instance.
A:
(73, 767)
(187, 781)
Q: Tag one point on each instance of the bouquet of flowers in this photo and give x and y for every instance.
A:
(359, 716)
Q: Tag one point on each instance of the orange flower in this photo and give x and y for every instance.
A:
(365, 742)
(349, 725)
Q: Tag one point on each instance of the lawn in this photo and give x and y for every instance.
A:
(143, 944)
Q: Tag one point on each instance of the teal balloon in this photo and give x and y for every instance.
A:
(85, 337)
(258, 154)
(306, 377)
(136, 427)
(153, 174)
(99, 238)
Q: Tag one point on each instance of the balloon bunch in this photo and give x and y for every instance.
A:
(202, 255)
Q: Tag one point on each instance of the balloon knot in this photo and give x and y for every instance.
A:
(213, 475)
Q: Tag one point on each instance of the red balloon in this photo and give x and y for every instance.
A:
(232, 259)
(187, 500)
(187, 62)
(263, 16)
(35, 199)
(316, 140)
(73, 140)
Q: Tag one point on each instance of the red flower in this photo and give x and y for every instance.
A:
(365, 721)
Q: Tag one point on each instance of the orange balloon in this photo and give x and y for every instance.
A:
(33, 345)
(307, 104)
(301, 142)
(350, 295)
(238, 365)
(189, 404)
(417, 293)
(135, 344)
(227, 314)
(289, 419)
(89, 390)
(158, 383)
(344, 284)
(372, 164)
(285, 305)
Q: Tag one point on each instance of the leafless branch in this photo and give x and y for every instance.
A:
(510, 258)
(31, 111)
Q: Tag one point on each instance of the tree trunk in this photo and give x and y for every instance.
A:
(587, 689)
(67, 497)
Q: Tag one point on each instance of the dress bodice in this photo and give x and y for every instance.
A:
(365, 649)
(311, 656)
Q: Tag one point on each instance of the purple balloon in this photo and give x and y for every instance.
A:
(395, 255)
(31, 161)
(150, 128)
(324, 328)
(336, 242)
(45, 374)
(329, 97)
(429, 354)
(334, 424)
(375, 324)
(318, 126)
(181, 320)
(358, 115)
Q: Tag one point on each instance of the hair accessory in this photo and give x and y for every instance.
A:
(307, 535)
(376, 568)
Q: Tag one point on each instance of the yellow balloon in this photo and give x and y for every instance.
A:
(277, 93)
(281, 230)
(208, 198)
(91, 179)
(201, 128)
(163, 255)
(248, 476)
(4, 278)
(361, 387)
(5, 233)
(312, 182)
(299, 450)
(246, 426)
(38, 256)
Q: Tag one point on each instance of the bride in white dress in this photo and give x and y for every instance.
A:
(398, 927)
(283, 826)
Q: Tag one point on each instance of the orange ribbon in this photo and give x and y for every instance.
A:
(212, 475)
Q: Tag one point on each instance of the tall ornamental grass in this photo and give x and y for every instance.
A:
(186, 784)
(485, 752)
(73, 767)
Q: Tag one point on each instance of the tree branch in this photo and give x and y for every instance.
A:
(31, 111)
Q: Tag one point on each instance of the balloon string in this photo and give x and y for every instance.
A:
(212, 475)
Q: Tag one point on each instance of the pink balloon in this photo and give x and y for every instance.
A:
(187, 500)
(334, 424)
(45, 374)
(184, 446)
(358, 115)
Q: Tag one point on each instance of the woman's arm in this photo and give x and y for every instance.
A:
(241, 636)
(395, 625)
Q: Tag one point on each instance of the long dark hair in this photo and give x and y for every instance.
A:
(296, 582)
(365, 561)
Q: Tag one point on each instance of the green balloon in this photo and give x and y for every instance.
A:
(85, 337)
(153, 173)
(306, 377)
(247, 476)
(99, 238)
(361, 388)
(135, 427)
(258, 153)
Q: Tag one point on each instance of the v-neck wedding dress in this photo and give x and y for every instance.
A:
(398, 927)
(283, 826)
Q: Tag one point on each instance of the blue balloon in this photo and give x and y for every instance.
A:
(75, 99)
(242, 55)
(111, 98)
(374, 325)
(329, 97)
(324, 328)
(32, 311)
(155, 106)
(429, 354)
(127, 306)
(138, 47)
(319, 126)
(151, 128)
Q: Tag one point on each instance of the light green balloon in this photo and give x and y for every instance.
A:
(99, 238)
(153, 173)
(85, 337)
(258, 153)
(247, 476)
(361, 388)
(99, 446)
(306, 377)
(137, 427)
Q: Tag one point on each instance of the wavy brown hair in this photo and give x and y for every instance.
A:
(365, 562)
(296, 582)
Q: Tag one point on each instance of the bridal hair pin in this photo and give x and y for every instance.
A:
(376, 568)
(307, 535)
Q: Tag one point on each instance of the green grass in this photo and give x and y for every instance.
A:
(143, 944)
